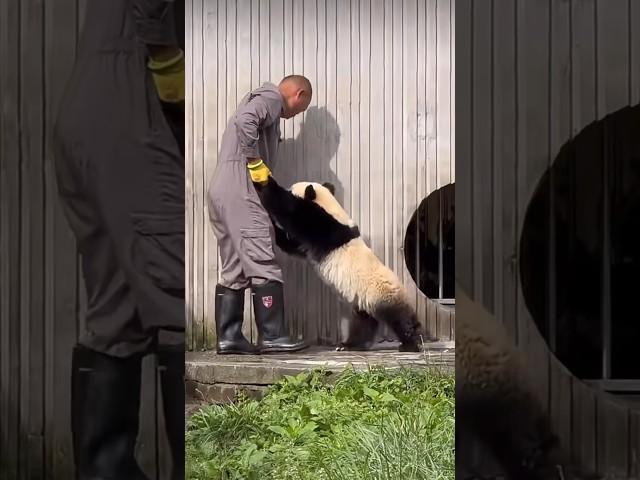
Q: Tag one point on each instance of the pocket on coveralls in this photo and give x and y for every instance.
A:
(256, 242)
(161, 246)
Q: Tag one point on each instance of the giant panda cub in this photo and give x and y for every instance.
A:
(311, 223)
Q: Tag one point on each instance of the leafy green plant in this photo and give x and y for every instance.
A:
(379, 424)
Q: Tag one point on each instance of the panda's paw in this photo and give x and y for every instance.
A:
(409, 347)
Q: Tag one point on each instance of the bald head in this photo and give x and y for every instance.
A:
(296, 92)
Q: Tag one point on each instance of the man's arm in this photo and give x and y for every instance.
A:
(250, 117)
(155, 24)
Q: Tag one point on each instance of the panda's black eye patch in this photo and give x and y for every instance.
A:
(309, 193)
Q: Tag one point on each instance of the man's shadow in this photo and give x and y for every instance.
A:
(312, 309)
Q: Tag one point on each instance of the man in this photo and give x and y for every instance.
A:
(120, 173)
(243, 228)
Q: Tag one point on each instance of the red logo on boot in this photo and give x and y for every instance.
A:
(267, 301)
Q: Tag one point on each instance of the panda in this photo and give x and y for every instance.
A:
(496, 403)
(309, 222)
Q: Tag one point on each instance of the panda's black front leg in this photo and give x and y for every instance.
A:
(287, 243)
(290, 212)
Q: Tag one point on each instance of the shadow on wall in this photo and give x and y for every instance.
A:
(307, 157)
(312, 309)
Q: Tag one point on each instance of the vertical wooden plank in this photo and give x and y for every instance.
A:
(431, 72)
(583, 431)
(329, 334)
(344, 77)
(255, 44)
(464, 141)
(300, 169)
(444, 91)
(322, 126)
(559, 133)
(533, 152)
(198, 175)
(431, 125)
(276, 51)
(612, 51)
(482, 155)
(613, 439)
(31, 251)
(452, 86)
(389, 77)
(362, 185)
(422, 115)
(62, 281)
(210, 155)
(286, 171)
(10, 168)
(310, 150)
(634, 51)
(397, 113)
(190, 100)
(355, 87)
(504, 154)
(264, 60)
(374, 183)
(583, 63)
(409, 137)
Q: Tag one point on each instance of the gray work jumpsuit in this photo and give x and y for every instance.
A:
(120, 174)
(242, 227)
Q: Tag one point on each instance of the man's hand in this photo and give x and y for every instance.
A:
(167, 68)
(259, 171)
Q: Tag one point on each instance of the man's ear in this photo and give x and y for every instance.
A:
(309, 193)
(330, 187)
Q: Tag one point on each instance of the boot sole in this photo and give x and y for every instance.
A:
(282, 349)
(236, 352)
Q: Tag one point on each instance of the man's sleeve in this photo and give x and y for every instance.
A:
(155, 22)
(259, 111)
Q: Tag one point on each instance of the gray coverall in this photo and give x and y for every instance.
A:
(120, 174)
(242, 227)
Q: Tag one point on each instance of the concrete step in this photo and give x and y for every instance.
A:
(213, 378)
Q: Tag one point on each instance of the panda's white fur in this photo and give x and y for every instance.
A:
(353, 270)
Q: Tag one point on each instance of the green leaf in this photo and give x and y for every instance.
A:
(370, 392)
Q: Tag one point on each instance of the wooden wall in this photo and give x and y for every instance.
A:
(42, 298)
(380, 127)
(531, 74)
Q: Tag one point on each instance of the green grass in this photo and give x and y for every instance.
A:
(374, 425)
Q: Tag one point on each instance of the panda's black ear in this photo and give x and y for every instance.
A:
(330, 187)
(309, 193)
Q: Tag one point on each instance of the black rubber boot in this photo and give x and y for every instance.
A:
(171, 373)
(229, 315)
(105, 404)
(268, 305)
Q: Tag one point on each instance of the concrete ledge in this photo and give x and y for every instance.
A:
(214, 378)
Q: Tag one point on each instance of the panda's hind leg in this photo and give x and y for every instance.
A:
(402, 319)
(360, 332)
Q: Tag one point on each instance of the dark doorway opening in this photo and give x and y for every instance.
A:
(580, 252)
(429, 244)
